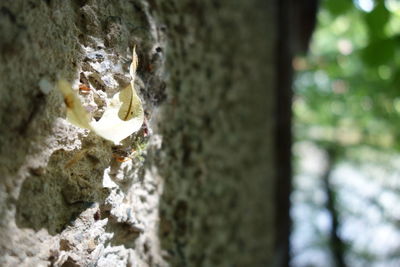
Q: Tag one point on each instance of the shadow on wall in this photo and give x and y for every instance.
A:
(52, 198)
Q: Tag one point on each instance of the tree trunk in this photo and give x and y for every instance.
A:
(336, 243)
(296, 22)
(194, 187)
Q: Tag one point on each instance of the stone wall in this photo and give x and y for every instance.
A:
(194, 187)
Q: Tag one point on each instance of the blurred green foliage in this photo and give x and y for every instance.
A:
(347, 99)
(347, 89)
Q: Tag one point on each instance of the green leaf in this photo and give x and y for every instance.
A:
(379, 52)
(376, 21)
(338, 7)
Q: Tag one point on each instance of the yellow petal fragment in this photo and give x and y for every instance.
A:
(76, 113)
(134, 64)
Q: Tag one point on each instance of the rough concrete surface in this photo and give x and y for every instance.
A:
(192, 188)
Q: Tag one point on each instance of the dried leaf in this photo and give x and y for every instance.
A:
(134, 64)
(112, 127)
(122, 117)
(131, 104)
(76, 113)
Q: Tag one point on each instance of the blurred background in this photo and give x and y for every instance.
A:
(346, 152)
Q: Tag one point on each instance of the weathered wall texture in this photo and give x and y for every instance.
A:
(192, 188)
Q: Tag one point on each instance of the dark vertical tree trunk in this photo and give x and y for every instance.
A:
(295, 22)
(283, 135)
(336, 244)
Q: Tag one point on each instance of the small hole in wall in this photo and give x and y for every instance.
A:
(69, 263)
(97, 215)
(48, 2)
(79, 3)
